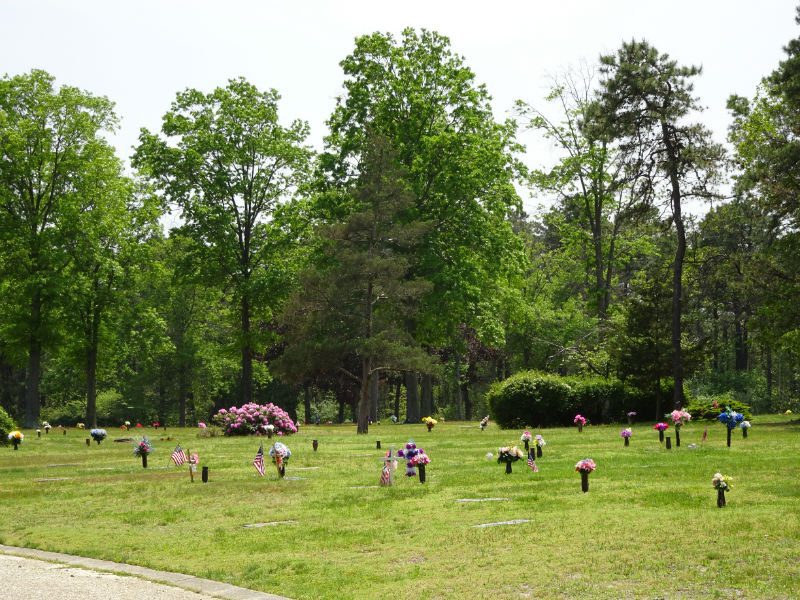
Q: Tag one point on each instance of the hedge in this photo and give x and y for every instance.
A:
(542, 399)
(6, 426)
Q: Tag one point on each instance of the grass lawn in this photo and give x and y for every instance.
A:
(648, 528)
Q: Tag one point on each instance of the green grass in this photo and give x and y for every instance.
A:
(648, 528)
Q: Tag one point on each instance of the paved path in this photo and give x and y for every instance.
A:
(38, 575)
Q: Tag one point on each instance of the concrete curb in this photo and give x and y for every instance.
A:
(179, 580)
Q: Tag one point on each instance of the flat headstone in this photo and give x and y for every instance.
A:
(304, 468)
(512, 522)
(482, 499)
(270, 524)
(65, 465)
(363, 487)
(43, 479)
(294, 478)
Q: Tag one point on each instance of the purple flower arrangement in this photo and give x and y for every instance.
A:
(254, 418)
(414, 457)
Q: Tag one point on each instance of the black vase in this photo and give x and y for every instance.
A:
(16, 444)
(627, 442)
(584, 482)
(526, 445)
(144, 461)
(661, 435)
(377, 444)
(669, 443)
(744, 432)
(314, 445)
(282, 470)
(720, 498)
(538, 451)
(88, 442)
(204, 476)
(508, 467)
(421, 473)
(677, 436)
(729, 437)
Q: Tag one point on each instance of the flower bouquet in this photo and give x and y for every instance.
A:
(631, 416)
(429, 422)
(410, 453)
(484, 422)
(16, 437)
(98, 435)
(732, 419)
(722, 484)
(679, 418)
(580, 421)
(39, 433)
(584, 467)
(508, 455)
(81, 426)
(540, 443)
(745, 425)
(280, 454)
(269, 429)
(126, 425)
(626, 435)
(46, 426)
(526, 439)
(420, 460)
(143, 448)
(661, 428)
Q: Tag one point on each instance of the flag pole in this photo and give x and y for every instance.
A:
(191, 472)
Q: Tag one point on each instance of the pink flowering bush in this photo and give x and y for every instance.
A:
(254, 418)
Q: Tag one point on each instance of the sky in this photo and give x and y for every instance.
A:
(141, 53)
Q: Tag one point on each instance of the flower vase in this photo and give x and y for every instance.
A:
(269, 433)
(144, 461)
(38, 434)
(429, 427)
(744, 432)
(282, 471)
(627, 442)
(88, 442)
(678, 436)
(669, 443)
(729, 437)
(16, 444)
(421, 473)
(508, 467)
(377, 444)
(661, 436)
(580, 427)
(64, 431)
(98, 442)
(527, 443)
(204, 475)
(720, 498)
(314, 445)
(538, 451)
(584, 482)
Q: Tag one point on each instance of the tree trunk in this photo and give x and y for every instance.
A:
(412, 398)
(91, 387)
(768, 352)
(307, 403)
(466, 400)
(340, 393)
(677, 267)
(457, 389)
(398, 390)
(34, 372)
(427, 395)
(364, 403)
(247, 353)
(740, 345)
(182, 391)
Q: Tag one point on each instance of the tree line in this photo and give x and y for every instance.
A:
(395, 271)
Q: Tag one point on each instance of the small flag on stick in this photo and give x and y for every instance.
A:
(178, 455)
(532, 462)
(258, 461)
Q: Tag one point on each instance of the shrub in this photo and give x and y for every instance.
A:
(69, 413)
(702, 408)
(6, 426)
(254, 418)
(531, 398)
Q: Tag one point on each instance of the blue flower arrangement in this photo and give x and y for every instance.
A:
(98, 435)
(731, 418)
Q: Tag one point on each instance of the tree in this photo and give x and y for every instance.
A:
(644, 100)
(51, 162)
(355, 299)
(227, 163)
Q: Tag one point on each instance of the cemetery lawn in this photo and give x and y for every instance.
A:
(648, 528)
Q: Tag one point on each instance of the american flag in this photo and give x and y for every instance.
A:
(532, 463)
(386, 475)
(178, 455)
(258, 461)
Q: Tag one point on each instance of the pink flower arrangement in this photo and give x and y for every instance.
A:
(680, 417)
(201, 425)
(254, 418)
(579, 420)
(627, 432)
(661, 426)
(585, 466)
(526, 436)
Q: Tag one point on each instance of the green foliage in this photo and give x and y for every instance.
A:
(708, 408)
(6, 426)
(69, 413)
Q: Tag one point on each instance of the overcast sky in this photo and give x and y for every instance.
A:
(140, 53)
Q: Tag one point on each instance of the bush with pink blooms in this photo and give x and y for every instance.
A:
(254, 418)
